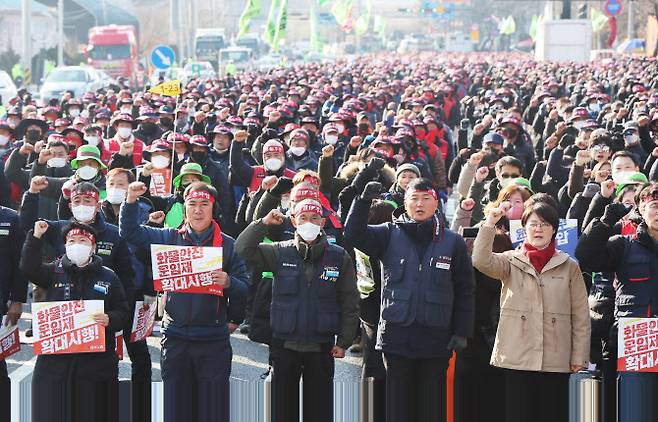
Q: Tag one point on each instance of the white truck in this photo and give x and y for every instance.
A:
(564, 40)
(208, 42)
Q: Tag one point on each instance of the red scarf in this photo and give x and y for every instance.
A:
(538, 257)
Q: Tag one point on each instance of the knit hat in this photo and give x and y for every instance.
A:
(407, 167)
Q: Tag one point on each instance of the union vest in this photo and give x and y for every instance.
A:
(306, 310)
(415, 290)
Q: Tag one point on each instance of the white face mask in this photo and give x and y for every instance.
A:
(115, 196)
(621, 177)
(578, 124)
(87, 172)
(78, 254)
(273, 164)
(74, 112)
(56, 162)
(4, 140)
(632, 139)
(297, 151)
(160, 162)
(84, 213)
(331, 139)
(126, 110)
(505, 182)
(308, 231)
(124, 132)
(92, 140)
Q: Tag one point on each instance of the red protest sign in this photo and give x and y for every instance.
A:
(67, 327)
(160, 182)
(638, 345)
(143, 321)
(186, 268)
(9, 342)
(118, 345)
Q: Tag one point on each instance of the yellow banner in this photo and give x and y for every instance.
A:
(169, 88)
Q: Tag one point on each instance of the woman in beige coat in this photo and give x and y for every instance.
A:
(544, 328)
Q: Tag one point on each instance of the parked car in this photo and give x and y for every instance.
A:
(77, 79)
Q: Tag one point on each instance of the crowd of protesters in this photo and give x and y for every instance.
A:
(327, 187)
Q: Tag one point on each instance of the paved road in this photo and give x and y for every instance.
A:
(249, 358)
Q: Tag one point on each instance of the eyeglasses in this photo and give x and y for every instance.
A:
(538, 225)
(600, 148)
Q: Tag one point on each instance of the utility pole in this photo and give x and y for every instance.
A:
(60, 32)
(26, 55)
(630, 30)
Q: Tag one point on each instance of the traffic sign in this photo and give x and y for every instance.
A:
(162, 57)
(612, 8)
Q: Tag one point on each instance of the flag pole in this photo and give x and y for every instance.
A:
(173, 145)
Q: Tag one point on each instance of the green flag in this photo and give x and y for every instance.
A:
(363, 21)
(323, 2)
(342, 10)
(270, 25)
(599, 20)
(280, 33)
(508, 26)
(379, 25)
(251, 10)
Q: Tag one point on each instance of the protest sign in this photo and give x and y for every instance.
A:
(118, 344)
(9, 342)
(67, 327)
(160, 182)
(637, 342)
(143, 321)
(186, 268)
(565, 240)
(365, 280)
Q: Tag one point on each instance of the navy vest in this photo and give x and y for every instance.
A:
(637, 281)
(415, 290)
(306, 310)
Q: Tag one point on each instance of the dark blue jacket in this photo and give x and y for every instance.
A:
(13, 285)
(187, 315)
(66, 281)
(110, 247)
(633, 258)
(306, 310)
(427, 286)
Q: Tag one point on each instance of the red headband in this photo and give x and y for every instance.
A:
(304, 193)
(308, 207)
(92, 193)
(273, 148)
(83, 233)
(650, 197)
(200, 194)
(430, 192)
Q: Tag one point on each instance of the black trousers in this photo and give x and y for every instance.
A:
(140, 370)
(536, 396)
(415, 389)
(479, 391)
(317, 369)
(373, 367)
(75, 388)
(5, 393)
(196, 375)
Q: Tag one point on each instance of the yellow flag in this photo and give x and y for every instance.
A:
(169, 88)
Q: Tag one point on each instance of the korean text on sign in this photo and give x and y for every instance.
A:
(638, 345)
(67, 327)
(9, 341)
(143, 321)
(186, 268)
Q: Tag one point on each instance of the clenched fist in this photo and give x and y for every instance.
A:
(135, 190)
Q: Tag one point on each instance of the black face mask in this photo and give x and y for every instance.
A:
(364, 127)
(167, 122)
(199, 157)
(149, 127)
(33, 135)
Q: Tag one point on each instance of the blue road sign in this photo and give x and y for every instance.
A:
(162, 57)
(612, 8)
